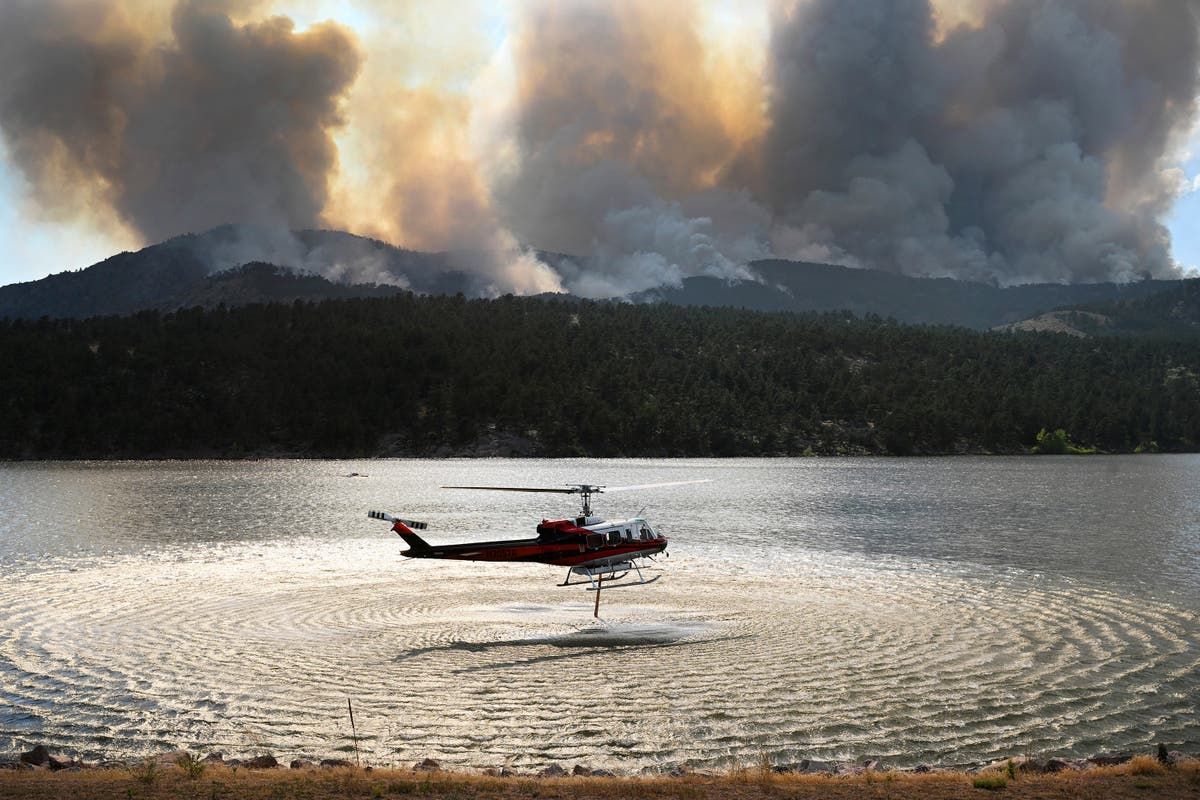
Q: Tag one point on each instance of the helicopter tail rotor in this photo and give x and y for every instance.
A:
(404, 529)
(412, 523)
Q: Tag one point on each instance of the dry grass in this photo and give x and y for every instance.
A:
(1141, 778)
(990, 782)
(1146, 765)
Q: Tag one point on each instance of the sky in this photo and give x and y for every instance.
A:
(1184, 219)
(1006, 141)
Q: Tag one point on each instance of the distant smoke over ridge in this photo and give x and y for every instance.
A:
(1008, 141)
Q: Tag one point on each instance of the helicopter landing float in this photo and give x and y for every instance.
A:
(597, 551)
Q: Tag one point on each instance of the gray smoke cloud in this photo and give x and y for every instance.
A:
(1024, 147)
(619, 133)
(1025, 143)
(179, 124)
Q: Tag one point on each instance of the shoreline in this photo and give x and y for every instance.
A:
(174, 775)
(466, 455)
(42, 758)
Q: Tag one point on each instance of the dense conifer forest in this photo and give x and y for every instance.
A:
(441, 375)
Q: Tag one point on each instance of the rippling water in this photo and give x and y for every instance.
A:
(942, 610)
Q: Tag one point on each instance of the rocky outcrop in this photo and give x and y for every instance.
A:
(37, 757)
(810, 767)
(1110, 760)
(41, 758)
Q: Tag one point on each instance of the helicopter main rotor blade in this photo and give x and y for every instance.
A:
(653, 485)
(516, 489)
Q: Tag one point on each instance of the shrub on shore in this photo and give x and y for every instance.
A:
(1058, 443)
(191, 765)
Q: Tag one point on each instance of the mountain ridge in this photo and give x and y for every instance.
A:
(188, 270)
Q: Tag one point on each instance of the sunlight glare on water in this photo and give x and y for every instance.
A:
(942, 610)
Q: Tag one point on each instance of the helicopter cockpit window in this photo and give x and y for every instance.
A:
(628, 535)
(614, 537)
(647, 533)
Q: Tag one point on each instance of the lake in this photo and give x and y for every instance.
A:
(944, 610)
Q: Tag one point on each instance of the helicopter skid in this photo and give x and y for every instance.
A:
(612, 576)
(622, 584)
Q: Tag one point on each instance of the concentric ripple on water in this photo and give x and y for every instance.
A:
(744, 648)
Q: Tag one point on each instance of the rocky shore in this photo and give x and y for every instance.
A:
(40, 758)
(39, 774)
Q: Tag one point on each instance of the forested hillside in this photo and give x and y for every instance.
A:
(439, 375)
(805, 287)
(1173, 313)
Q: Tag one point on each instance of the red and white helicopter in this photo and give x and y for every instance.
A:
(598, 551)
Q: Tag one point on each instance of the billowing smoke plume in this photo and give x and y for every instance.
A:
(999, 140)
(622, 123)
(1022, 146)
(417, 180)
(180, 123)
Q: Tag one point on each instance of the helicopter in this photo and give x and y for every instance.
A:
(597, 552)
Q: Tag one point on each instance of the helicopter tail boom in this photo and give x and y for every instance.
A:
(415, 542)
(404, 528)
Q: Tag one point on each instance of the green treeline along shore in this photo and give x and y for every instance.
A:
(440, 375)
